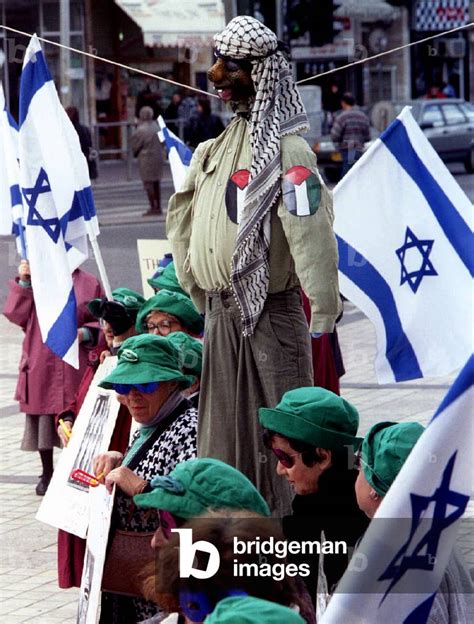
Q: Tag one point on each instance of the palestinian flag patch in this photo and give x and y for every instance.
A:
(301, 191)
(235, 194)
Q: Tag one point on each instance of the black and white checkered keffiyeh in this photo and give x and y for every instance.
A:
(277, 111)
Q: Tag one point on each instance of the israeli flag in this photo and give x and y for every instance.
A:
(404, 232)
(11, 204)
(58, 201)
(179, 154)
(407, 550)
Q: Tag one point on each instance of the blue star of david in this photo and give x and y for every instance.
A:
(51, 226)
(442, 497)
(414, 278)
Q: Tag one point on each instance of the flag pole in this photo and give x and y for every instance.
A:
(100, 263)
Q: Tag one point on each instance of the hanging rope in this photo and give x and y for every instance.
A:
(180, 84)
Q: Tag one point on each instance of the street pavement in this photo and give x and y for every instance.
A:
(28, 578)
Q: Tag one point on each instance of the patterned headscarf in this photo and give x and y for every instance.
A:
(277, 111)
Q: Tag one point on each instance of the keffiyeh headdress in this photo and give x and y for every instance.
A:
(277, 111)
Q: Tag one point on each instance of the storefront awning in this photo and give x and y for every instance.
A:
(366, 10)
(176, 23)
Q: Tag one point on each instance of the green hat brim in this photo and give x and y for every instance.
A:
(183, 506)
(297, 428)
(133, 373)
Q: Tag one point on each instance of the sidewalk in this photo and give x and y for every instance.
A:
(28, 580)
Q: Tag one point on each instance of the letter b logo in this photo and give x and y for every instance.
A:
(187, 554)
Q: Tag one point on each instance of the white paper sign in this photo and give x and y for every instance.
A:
(150, 253)
(66, 503)
(101, 506)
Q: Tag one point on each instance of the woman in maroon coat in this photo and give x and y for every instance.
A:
(46, 384)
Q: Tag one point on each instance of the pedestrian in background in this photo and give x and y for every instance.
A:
(85, 140)
(46, 384)
(203, 125)
(350, 131)
(147, 148)
(172, 112)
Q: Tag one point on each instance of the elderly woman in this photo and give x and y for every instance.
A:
(147, 148)
(312, 433)
(148, 375)
(384, 450)
(168, 312)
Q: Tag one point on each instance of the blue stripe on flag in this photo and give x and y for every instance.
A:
(11, 120)
(399, 351)
(185, 154)
(15, 195)
(422, 611)
(463, 382)
(63, 332)
(453, 225)
(34, 76)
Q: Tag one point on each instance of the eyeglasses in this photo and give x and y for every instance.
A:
(163, 327)
(146, 388)
(167, 522)
(285, 459)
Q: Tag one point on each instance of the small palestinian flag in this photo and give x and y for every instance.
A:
(301, 191)
(235, 194)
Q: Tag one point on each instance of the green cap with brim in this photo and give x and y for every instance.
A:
(190, 350)
(165, 278)
(198, 485)
(131, 301)
(146, 358)
(173, 303)
(249, 610)
(315, 416)
(384, 451)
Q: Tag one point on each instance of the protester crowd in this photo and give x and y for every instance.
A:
(338, 479)
(239, 431)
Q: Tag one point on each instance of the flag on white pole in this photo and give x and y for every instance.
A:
(179, 154)
(406, 254)
(396, 571)
(11, 205)
(59, 207)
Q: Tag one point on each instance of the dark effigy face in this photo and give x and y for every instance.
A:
(232, 79)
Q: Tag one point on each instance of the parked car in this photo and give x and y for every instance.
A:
(448, 125)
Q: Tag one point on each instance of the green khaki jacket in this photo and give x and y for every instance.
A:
(202, 228)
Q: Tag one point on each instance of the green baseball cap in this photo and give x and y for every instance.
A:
(165, 278)
(197, 485)
(384, 451)
(173, 303)
(190, 350)
(313, 415)
(147, 358)
(131, 301)
(248, 610)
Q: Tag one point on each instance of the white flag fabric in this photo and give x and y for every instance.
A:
(406, 254)
(179, 154)
(59, 206)
(397, 569)
(11, 205)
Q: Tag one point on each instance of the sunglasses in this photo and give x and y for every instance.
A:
(285, 459)
(146, 388)
(167, 523)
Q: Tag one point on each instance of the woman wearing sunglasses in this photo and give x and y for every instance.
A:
(168, 312)
(149, 378)
(312, 433)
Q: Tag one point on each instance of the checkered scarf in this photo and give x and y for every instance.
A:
(277, 111)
